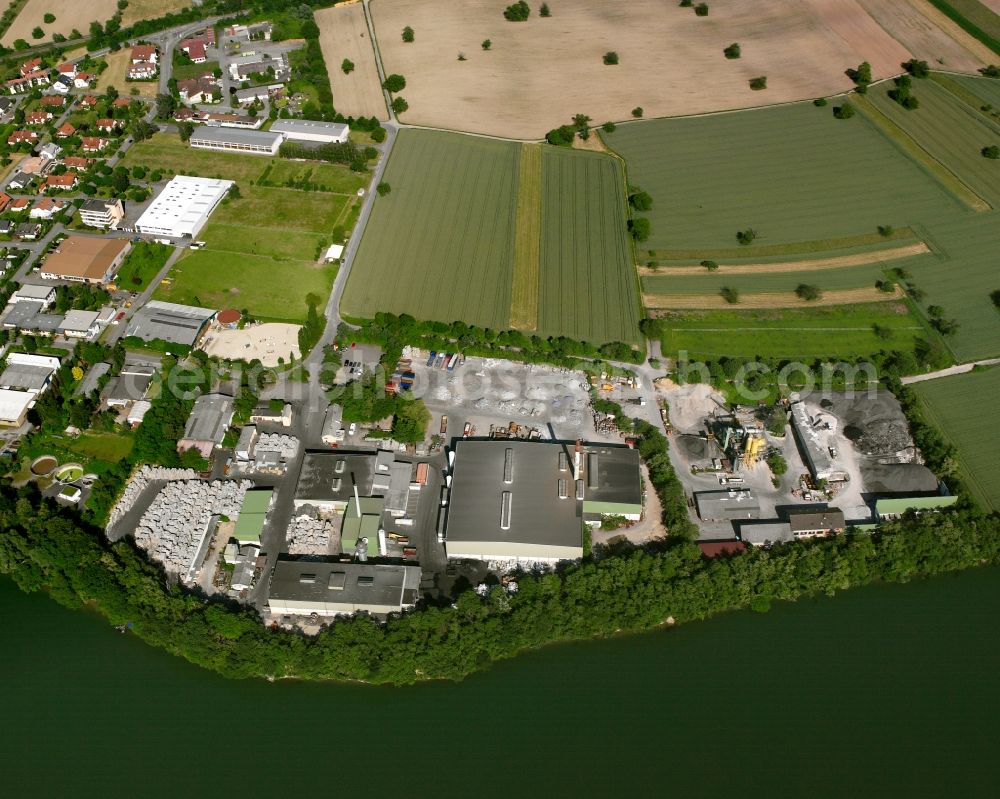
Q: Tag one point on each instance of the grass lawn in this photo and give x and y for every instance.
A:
(440, 246)
(324, 177)
(108, 447)
(793, 173)
(282, 210)
(142, 265)
(273, 290)
(184, 70)
(962, 407)
(167, 153)
(262, 241)
(527, 242)
(844, 331)
(701, 281)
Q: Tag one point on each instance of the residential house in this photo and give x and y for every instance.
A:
(65, 130)
(19, 204)
(64, 182)
(261, 93)
(77, 162)
(62, 84)
(144, 70)
(19, 136)
(46, 295)
(6, 227)
(88, 101)
(37, 117)
(50, 151)
(108, 125)
(101, 213)
(121, 102)
(198, 90)
(28, 231)
(183, 115)
(47, 207)
(144, 53)
(67, 69)
(53, 101)
(4, 201)
(28, 67)
(82, 80)
(7, 105)
(92, 144)
(80, 324)
(195, 48)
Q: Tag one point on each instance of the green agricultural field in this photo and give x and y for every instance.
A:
(440, 245)
(977, 92)
(528, 240)
(950, 132)
(965, 408)
(321, 177)
(794, 174)
(703, 282)
(273, 290)
(588, 282)
(167, 153)
(844, 331)
(960, 281)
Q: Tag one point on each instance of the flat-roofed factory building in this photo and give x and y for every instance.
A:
(260, 142)
(183, 207)
(527, 501)
(303, 588)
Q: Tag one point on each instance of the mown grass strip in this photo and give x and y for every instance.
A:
(909, 145)
(527, 240)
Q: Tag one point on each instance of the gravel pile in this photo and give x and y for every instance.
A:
(310, 536)
(286, 446)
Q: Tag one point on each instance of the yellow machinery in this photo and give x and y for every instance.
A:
(753, 449)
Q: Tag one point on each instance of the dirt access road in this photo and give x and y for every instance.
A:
(541, 72)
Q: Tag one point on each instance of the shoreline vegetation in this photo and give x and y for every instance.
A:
(616, 590)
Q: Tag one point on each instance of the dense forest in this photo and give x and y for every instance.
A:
(44, 547)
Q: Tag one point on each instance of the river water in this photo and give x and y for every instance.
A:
(884, 691)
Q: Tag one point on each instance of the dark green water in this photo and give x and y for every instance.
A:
(886, 691)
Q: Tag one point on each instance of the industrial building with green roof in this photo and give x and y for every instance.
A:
(894, 507)
(253, 514)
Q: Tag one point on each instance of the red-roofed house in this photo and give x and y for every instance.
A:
(713, 549)
(78, 162)
(195, 49)
(20, 204)
(108, 125)
(65, 130)
(89, 101)
(60, 182)
(93, 144)
(47, 207)
(82, 80)
(38, 117)
(67, 69)
(121, 102)
(30, 66)
(38, 78)
(144, 52)
(4, 201)
(53, 100)
(19, 136)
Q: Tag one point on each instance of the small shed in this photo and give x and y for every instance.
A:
(334, 252)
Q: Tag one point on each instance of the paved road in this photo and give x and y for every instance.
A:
(958, 369)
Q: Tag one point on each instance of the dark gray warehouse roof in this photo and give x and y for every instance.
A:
(356, 586)
(168, 321)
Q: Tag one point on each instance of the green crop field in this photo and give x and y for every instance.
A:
(965, 408)
(794, 174)
(977, 92)
(440, 245)
(961, 278)
(528, 240)
(841, 331)
(701, 281)
(950, 131)
(588, 283)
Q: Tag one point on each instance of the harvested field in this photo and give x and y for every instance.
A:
(950, 132)
(929, 34)
(114, 75)
(668, 55)
(527, 240)
(150, 9)
(69, 14)
(588, 285)
(784, 300)
(441, 245)
(344, 34)
(960, 406)
(837, 262)
(844, 331)
(795, 174)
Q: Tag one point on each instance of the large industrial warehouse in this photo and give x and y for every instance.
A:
(309, 131)
(261, 142)
(304, 587)
(527, 501)
(183, 207)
